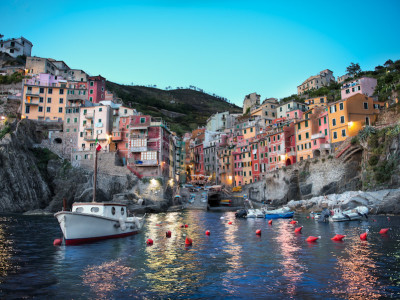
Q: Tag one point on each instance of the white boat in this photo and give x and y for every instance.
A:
(92, 221)
(255, 213)
(281, 210)
(337, 215)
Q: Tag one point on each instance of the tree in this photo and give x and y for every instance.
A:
(388, 63)
(353, 69)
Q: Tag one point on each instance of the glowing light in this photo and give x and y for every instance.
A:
(350, 124)
(283, 157)
(230, 177)
(153, 181)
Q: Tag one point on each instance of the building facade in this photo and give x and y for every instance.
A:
(324, 78)
(16, 47)
(364, 85)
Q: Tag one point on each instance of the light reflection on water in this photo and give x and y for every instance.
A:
(231, 263)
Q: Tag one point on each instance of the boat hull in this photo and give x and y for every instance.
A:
(81, 228)
(280, 216)
(341, 218)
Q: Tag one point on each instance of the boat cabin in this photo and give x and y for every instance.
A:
(109, 210)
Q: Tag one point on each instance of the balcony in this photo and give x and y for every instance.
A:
(89, 116)
(88, 127)
(139, 149)
(116, 138)
(325, 146)
(88, 137)
(138, 136)
(31, 94)
(30, 103)
(143, 163)
(317, 136)
(291, 153)
(76, 97)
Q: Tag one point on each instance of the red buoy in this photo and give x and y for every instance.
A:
(57, 242)
(168, 234)
(338, 238)
(270, 222)
(188, 241)
(308, 217)
(258, 232)
(312, 217)
(149, 242)
(312, 239)
(230, 222)
(208, 232)
(384, 230)
(293, 222)
(363, 236)
(298, 229)
(186, 225)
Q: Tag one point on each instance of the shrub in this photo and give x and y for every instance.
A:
(373, 161)
(354, 141)
(6, 129)
(366, 132)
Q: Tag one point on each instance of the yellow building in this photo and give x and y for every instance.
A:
(303, 137)
(266, 111)
(348, 116)
(249, 131)
(246, 161)
(317, 101)
(44, 98)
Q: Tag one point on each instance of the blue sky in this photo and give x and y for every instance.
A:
(231, 48)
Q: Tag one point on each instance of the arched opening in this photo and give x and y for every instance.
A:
(57, 141)
(288, 162)
(317, 153)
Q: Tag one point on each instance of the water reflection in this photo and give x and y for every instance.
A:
(288, 247)
(6, 250)
(356, 269)
(107, 278)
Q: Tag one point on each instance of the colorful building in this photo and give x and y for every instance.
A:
(348, 116)
(324, 78)
(316, 101)
(96, 88)
(363, 85)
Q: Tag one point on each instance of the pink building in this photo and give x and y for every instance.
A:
(364, 85)
(237, 164)
(120, 137)
(290, 144)
(199, 159)
(148, 148)
(320, 135)
(96, 88)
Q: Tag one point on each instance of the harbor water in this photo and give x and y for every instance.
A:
(233, 262)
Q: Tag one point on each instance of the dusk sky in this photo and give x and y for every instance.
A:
(231, 48)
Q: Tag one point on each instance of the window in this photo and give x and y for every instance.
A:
(343, 132)
(334, 135)
(27, 109)
(142, 120)
(91, 99)
(342, 119)
(61, 101)
(306, 123)
(91, 92)
(326, 132)
(341, 106)
(348, 91)
(48, 109)
(299, 137)
(41, 90)
(324, 119)
(40, 99)
(68, 120)
(333, 122)
(365, 105)
(255, 167)
(91, 83)
(40, 108)
(50, 91)
(298, 126)
(100, 109)
(319, 122)
(60, 109)
(61, 91)
(48, 100)
(307, 135)
(75, 120)
(367, 121)
(67, 129)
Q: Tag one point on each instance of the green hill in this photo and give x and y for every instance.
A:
(183, 109)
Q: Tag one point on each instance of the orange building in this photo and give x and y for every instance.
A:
(316, 101)
(348, 116)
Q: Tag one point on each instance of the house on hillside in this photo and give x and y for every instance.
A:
(16, 47)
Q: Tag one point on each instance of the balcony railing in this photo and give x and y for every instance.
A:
(317, 136)
(32, 94)
(139, 149)
(30, 103)
(89, 137)
(291, 153)
(89, 116)
(143, 162)
(138, 136)
(88, 126)
(325, 146)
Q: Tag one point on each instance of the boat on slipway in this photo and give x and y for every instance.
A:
(357, 213)
(93, 221)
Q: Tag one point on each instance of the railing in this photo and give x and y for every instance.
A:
(89, 137)
(139, 149)
(76, 97)
(30, 103)
(317, 136)
(325, 146)
(88, 126)
(89, 116)
(32, 94)
(138, 136)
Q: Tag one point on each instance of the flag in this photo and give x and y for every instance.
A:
(98, 146)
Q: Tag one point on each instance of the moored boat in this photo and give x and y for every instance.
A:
(279, 213)
(357, 213)
(92, 221)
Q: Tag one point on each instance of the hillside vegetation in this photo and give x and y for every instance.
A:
(183, 109)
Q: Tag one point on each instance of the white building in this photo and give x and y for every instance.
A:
(16, 47)
(286, 107)
(221, 121)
